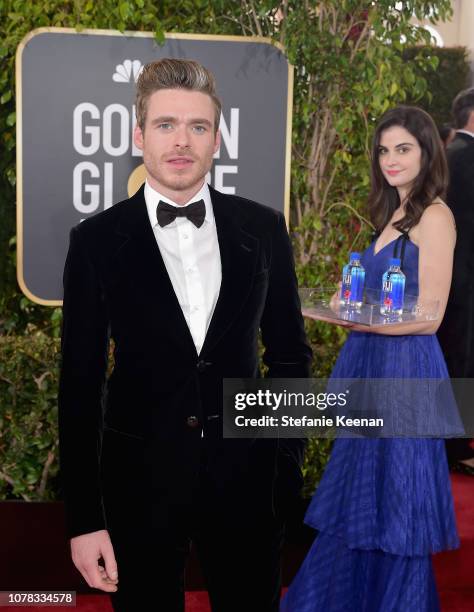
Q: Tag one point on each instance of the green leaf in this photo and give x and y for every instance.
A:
(11, 119)
(159, 36)
(7, 96)
(124, 10)
(11, 176)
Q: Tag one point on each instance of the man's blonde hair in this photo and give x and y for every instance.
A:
(170, 73)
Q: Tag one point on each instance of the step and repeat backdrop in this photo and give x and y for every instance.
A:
(75, 120)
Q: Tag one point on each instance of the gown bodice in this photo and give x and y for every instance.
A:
(376, 264)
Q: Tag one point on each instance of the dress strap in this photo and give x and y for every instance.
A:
(401, 242)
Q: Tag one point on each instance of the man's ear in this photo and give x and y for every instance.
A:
(138, 137)
(217, 143)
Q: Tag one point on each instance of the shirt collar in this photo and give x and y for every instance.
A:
(152, 197)
(466, 132)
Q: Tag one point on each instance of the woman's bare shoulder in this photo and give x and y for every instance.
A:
(437, 217)
(437, 211)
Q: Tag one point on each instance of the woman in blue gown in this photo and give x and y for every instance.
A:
(384, 505)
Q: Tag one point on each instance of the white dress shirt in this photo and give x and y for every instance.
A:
(192, 259)
(465, 132)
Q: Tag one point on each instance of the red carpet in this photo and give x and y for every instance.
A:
(454, 570)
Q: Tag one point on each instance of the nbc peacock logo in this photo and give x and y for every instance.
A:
(128, 70)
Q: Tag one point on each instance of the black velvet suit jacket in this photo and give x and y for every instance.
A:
(456, 333)
(161, 392)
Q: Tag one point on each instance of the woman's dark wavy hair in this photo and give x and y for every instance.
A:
(431, 182)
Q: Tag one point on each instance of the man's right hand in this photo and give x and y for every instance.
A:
(86, 550)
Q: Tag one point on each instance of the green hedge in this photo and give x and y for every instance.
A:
(28, 416)
(451, 76)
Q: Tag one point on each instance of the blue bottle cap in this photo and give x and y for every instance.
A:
(354, 256)
(395, 261)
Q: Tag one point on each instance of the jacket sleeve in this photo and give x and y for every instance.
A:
(84, 345)
(287, 352)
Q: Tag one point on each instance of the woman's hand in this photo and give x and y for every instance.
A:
(334, 301)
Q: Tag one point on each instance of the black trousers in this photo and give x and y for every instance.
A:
(456, 337)
(238, 544)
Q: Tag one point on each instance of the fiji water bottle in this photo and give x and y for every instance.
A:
(353, 277)
(393, 289)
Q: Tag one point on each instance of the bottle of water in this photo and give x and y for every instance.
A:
(353, 277)
(393, 289)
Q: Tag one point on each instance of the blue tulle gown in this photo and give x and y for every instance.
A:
(383, 505)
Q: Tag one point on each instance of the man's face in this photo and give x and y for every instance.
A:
(178, 141)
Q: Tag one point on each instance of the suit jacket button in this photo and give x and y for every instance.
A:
(201, 365)
(192, 421)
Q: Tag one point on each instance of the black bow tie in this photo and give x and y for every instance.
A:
(195, 212)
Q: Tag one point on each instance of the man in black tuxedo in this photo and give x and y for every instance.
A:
(181, 278)
(456, 333)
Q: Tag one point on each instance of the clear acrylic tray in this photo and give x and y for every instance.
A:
(324, 304)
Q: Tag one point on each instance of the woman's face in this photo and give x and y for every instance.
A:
(399, 158)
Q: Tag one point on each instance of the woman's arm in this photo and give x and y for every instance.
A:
(436, 237)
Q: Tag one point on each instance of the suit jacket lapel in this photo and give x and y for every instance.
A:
(138, 253)
(239, 252)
